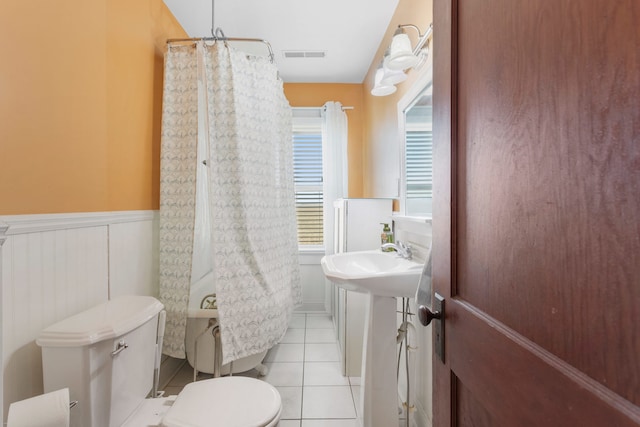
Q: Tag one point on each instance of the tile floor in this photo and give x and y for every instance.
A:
(305, 368)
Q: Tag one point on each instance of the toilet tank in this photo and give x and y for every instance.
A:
(105, 356)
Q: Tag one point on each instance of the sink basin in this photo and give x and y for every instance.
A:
(382, 275)
(373, 272)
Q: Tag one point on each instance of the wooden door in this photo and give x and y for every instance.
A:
(537, 212)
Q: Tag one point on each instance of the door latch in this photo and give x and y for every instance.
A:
(426, 316)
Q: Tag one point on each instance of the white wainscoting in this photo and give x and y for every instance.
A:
(3, 230)
(417, 233)
(54, 266)
(133, 258)
(314, 286)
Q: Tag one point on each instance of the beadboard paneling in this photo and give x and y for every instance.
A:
(54, 266)
(414, 231)
(417, 233)
(3, 238)
(314, 298)
(47, 276)
(133, 258)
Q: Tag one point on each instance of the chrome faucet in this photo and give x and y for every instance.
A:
(403, 249)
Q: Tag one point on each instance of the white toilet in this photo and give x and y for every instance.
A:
(107, 355)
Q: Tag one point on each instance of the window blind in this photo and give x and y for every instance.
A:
(307, 169)
(419, 163)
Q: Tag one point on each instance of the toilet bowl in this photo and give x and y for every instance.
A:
(238, 401)
(224, 402)
(108, 357)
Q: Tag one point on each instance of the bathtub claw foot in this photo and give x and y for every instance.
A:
(262, 370)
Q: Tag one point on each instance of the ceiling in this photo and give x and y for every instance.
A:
(348, 31)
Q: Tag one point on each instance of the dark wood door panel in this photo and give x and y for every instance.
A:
(548, 172)
(537, 212)
(502, 378)
(469, 411)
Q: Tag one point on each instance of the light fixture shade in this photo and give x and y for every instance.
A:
(392, 77)
(379, 89)
(401, 54)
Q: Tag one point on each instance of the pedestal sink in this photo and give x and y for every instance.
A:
(384, 276)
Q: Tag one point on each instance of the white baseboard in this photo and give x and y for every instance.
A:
(311, 307)
(169, 367)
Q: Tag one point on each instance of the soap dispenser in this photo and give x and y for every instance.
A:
(386, 236)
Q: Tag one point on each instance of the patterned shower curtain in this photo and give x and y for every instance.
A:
(251, 198)
(178, 190)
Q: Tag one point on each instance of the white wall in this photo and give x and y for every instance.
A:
(133, 258)
(417, 233)
(314, 289)
(3, 229)
(53, 266)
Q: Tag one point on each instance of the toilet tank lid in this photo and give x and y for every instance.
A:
(108, 320)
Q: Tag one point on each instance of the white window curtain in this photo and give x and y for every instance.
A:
(335, 172)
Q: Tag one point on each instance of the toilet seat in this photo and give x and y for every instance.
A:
(228, 402)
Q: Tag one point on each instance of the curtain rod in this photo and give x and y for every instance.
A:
(225, 39)
(321, 108)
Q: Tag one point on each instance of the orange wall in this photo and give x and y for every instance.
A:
(80, 104)
(316, 95)
(374, 159)
(381, 148)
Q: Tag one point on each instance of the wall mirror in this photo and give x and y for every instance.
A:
(415, 120)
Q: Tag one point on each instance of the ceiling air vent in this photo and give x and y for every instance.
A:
(304, 54)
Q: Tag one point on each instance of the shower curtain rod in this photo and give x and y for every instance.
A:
(225, 39)
(321, 108)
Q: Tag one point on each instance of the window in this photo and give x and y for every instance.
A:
(307, 172)
(415, 120)
(418, 152)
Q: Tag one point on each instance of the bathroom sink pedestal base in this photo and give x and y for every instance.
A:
(379, 396)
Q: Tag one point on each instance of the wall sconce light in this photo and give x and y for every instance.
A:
(380, 89)
(401, 54)
(391, 77)
(399, 57)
